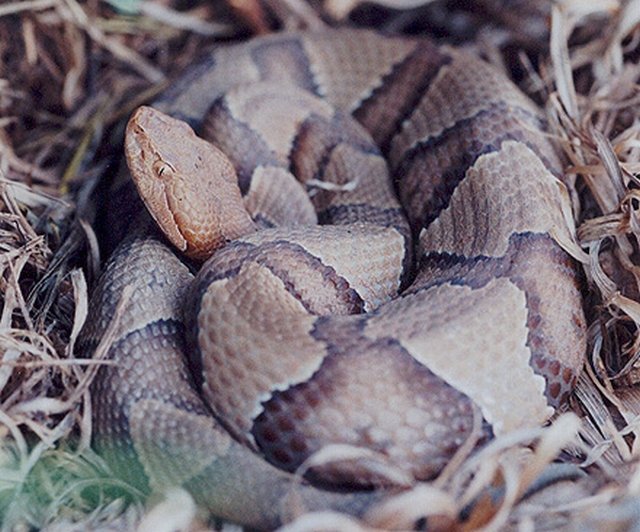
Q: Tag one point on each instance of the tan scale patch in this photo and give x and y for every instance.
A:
(143, 257)
(232, 66)
(503, 193)
(254, 337)
(461, 89)
(369, 257)
(277, 196)
(364, 175)
(174, 445)
(475, 340)
(348, 70)
(262, 107)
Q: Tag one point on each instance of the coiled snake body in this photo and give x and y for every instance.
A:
(293, 335)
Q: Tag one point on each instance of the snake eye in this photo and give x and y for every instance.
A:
(162, 168)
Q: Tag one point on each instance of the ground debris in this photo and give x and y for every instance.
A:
(72, 70)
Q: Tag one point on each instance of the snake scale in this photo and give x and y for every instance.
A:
(351, 300)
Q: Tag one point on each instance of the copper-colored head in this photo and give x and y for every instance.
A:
(188, 185)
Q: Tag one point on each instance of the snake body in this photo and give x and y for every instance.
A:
(295, 335)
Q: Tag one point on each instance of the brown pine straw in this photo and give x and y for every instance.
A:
(73, 70)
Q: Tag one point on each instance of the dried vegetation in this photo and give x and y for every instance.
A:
(71, 71)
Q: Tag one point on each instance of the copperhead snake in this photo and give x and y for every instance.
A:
(371, 329)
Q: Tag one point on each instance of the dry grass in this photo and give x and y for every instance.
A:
(72, 70)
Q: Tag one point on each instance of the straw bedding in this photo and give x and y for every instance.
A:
(72, 71)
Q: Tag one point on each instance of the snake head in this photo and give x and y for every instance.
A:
(189, 186)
